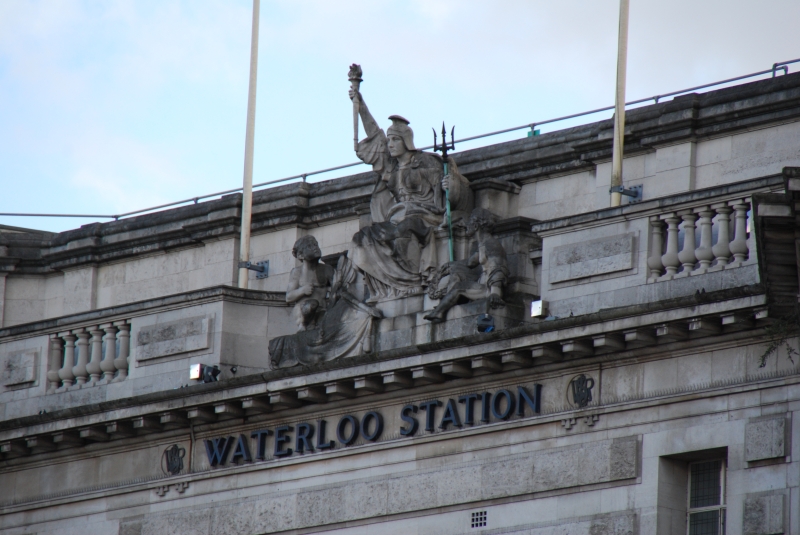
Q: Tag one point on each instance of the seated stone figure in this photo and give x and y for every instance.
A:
(308, 284)
(345, 329)
(482, 276)
(397, 253)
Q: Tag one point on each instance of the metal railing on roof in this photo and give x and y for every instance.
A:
(781, 66)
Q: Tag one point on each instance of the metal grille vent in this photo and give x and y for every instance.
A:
(479, 519)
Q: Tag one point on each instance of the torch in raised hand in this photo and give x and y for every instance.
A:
(354, 75)
(443, 148)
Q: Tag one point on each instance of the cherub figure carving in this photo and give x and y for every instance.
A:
(482, 276)
(308, 284)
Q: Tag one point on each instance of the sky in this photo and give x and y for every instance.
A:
(112, 106)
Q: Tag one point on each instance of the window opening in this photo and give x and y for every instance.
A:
(706, 511)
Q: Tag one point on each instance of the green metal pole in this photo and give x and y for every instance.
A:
(449, 220)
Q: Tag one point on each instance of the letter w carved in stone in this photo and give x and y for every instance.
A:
(218, 450)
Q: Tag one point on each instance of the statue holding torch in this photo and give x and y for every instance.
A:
(398, 252)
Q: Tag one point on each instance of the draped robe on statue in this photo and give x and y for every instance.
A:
(397, 253)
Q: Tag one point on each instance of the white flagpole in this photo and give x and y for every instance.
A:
(247, 187)
(619, 109)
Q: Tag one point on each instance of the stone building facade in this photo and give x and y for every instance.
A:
(657, 391)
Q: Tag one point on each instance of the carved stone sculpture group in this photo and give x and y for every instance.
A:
(396, 257)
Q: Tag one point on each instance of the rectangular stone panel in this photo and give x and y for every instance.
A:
(765, 438)
(173, 338)
(19, 368)
(450, 484)
(593, 257)
(763, 514)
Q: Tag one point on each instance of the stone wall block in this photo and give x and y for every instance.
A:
(765, 438)
(457, 486)
(319, 507)
(19, 369)
(593, 257)
(507, 477)
(232, 520)
(198, 523)
(172, 338)
(763, 514)
(412, 493)
(613, 525)
(131, 526)
(623, 458)
(367, 499)
(80, 289)
(554, 470)
(274, 514)
(586, 464)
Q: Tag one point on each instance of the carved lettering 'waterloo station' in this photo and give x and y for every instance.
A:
(454, 341)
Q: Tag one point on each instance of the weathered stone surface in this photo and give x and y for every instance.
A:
(594, 257)
(483, 479)
(622, 459)
(198, 523)
(232, 520)
(763, 514)
(581, 465)
(367, 499)
(130, 526)
(507, 477)
(164, 339)
(765, 438)
(274, 513)
(19, 368)
(602, 524)
(410, 493)
(320, 507)
(686, 397)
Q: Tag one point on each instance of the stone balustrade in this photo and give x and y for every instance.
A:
(88, 356)
(700, 240)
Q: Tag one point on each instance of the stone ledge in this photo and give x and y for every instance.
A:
(283, 379)
(138, 308)
(659, 206)
(683, 118)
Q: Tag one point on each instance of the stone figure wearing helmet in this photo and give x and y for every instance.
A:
(398, 252)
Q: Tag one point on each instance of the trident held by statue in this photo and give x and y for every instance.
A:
(443, 148)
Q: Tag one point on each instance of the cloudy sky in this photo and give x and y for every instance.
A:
(110, 106)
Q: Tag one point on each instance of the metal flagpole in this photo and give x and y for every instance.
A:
(247, 188)
(619, 106)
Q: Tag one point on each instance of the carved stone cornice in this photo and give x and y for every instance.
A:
(500, 166)
(684, 118)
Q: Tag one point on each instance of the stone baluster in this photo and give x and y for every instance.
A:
(704, 253)
(739, 244)
(107, 366)
(670, 258)
(721, 250)
(79, 370)
(121, 361)
(54, 364)
(656, 246)
(93, 368)
(65, 373)
(751, 232)
(686, 256)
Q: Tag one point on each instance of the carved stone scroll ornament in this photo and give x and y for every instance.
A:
(344, 329)
(398, 252)
(482, 276)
